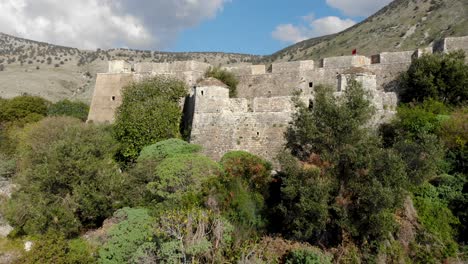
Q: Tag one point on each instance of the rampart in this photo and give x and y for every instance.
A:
(257, 119)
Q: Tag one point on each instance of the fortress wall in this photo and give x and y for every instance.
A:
(260, 133)
(119, 66)
(292, 66)
(246, 70)
(387, 74)
(107, 96)
(453, 44)
(396, 57)
(273, 104)
(346, 62)
(268, 85)
(222, 124)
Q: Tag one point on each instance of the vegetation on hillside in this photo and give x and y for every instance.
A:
(345, 193)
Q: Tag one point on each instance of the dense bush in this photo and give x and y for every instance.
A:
(241, 164)
(149, 113)
(130, 239)
(166, 148)
(23, 109)
(67, 177)
(179, 179)
(68, 108)
(304, 256)
(443, 77)
(53, 248)
(226, 77)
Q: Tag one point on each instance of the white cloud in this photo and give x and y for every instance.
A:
(314, 28)
(358, 7)
(104, 23)
(330, 25)
(289, 33)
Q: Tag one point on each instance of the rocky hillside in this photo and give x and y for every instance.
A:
(57, 72)
(402, 25)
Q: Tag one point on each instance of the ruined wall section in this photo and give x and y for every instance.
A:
(222, 124)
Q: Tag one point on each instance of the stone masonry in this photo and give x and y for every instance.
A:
(256, 120)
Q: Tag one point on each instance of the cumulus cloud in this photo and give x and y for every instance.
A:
(105, 23)
(362, 8)
(290, 33)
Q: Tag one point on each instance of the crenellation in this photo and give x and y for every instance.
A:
(257, 119)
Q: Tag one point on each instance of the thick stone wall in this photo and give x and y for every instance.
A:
(221, 124)
(107, 96)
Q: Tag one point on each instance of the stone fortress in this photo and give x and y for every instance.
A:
(257, 118)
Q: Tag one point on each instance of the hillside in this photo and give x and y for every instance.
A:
(402, 25)
(56, 72)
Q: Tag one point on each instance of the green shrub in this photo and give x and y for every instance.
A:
(438, 223)
(425, 118)
(226, 77)
(166, 148)
(23, 109)
(304, 256)
(149, 113)
(68, 108)
(53, 248)
(67, 177)
(180, 178)
(443, 77)
(131, 238)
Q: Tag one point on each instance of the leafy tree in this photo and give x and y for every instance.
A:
(331, 126)
(303, 211)
(226, 77)
(149, 113)
(338, 151)
(442, 77)
(68, 108)
(67, 177)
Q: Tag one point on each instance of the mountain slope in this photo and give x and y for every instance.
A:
(57, 72)
(402, 25)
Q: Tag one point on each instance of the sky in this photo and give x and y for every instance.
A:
(241, 26)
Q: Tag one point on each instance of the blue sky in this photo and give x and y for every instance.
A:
(246, 26)
(241, 26)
